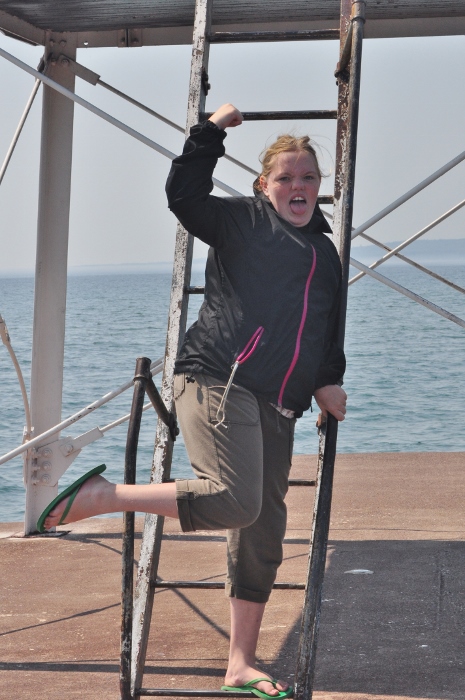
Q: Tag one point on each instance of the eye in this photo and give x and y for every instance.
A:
(310, 177)
(284, 178)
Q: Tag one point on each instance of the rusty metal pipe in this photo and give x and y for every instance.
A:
(183, 693)
(218, 585)
(127, 578)
(298, 35)
(349, 185)
(166, 416)
(344, 195)
(282, 115)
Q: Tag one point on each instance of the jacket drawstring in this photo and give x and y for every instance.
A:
(240, 359)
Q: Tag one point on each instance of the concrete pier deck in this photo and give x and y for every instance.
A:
(396, 633)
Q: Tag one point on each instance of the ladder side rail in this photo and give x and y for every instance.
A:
(141, 377)
(177, 319)
(348, 103)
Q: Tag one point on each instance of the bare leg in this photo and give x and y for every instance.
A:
(98, 496)
(246, 618)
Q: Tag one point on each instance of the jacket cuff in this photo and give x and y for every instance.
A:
(327, 376)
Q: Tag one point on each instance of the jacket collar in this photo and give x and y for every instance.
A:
(317, 224)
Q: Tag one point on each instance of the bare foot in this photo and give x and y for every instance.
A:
(244, 675)
(91, 499)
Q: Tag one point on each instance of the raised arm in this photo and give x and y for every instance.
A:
(226, 116)
(189, 183)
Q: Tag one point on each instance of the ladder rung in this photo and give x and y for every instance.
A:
(299, 35)
(218, 585)
(277, 116)
(190, 693)
(292, 482)
(325, 199)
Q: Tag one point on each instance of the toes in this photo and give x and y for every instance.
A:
(272, 689)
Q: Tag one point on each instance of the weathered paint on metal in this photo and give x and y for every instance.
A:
(74, 15)
(218, 585)
(299, 35)
(164, 415)
(153, 528)
(51, 273)
(283, 115)
(141, 377)
(349, 86)
(183, 693)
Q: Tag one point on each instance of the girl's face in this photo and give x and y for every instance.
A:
(292, 186)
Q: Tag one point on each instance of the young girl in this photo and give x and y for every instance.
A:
(262, 346)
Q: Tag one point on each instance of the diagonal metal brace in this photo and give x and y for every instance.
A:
(167, 417)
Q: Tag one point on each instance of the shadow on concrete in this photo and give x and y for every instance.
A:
(84, 613)
(397, 631)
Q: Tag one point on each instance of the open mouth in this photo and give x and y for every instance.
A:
(298, 205)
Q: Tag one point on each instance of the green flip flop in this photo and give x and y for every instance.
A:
(70, 491)
(249, 688)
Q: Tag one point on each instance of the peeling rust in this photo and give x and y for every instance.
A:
(346, 141)
(161, 465)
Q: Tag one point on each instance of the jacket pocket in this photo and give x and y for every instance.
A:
(179, 386)
(241, 407)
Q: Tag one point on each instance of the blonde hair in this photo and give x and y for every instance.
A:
(284, 144)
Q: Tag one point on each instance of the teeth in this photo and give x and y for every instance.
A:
(297, 199)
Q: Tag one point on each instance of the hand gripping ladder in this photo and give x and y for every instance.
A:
(137, 609)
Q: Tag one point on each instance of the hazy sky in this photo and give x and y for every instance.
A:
(411, 123)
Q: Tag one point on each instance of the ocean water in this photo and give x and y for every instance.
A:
(405, 377)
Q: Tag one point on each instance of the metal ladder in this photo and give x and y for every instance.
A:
(137, 607)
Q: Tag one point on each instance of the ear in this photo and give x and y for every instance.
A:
(264, 185)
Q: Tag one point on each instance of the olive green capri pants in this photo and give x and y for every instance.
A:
(242, 468)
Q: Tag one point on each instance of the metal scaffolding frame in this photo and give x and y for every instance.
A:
(65, 68)
(60, 63)
(47, 455)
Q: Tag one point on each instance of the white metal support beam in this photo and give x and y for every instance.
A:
(107, 117)
(51, 272)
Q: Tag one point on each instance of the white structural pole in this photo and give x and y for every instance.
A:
(51, 273)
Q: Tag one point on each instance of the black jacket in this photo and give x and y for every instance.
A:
(261, 272)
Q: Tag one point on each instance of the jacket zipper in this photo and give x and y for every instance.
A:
(299, 333)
